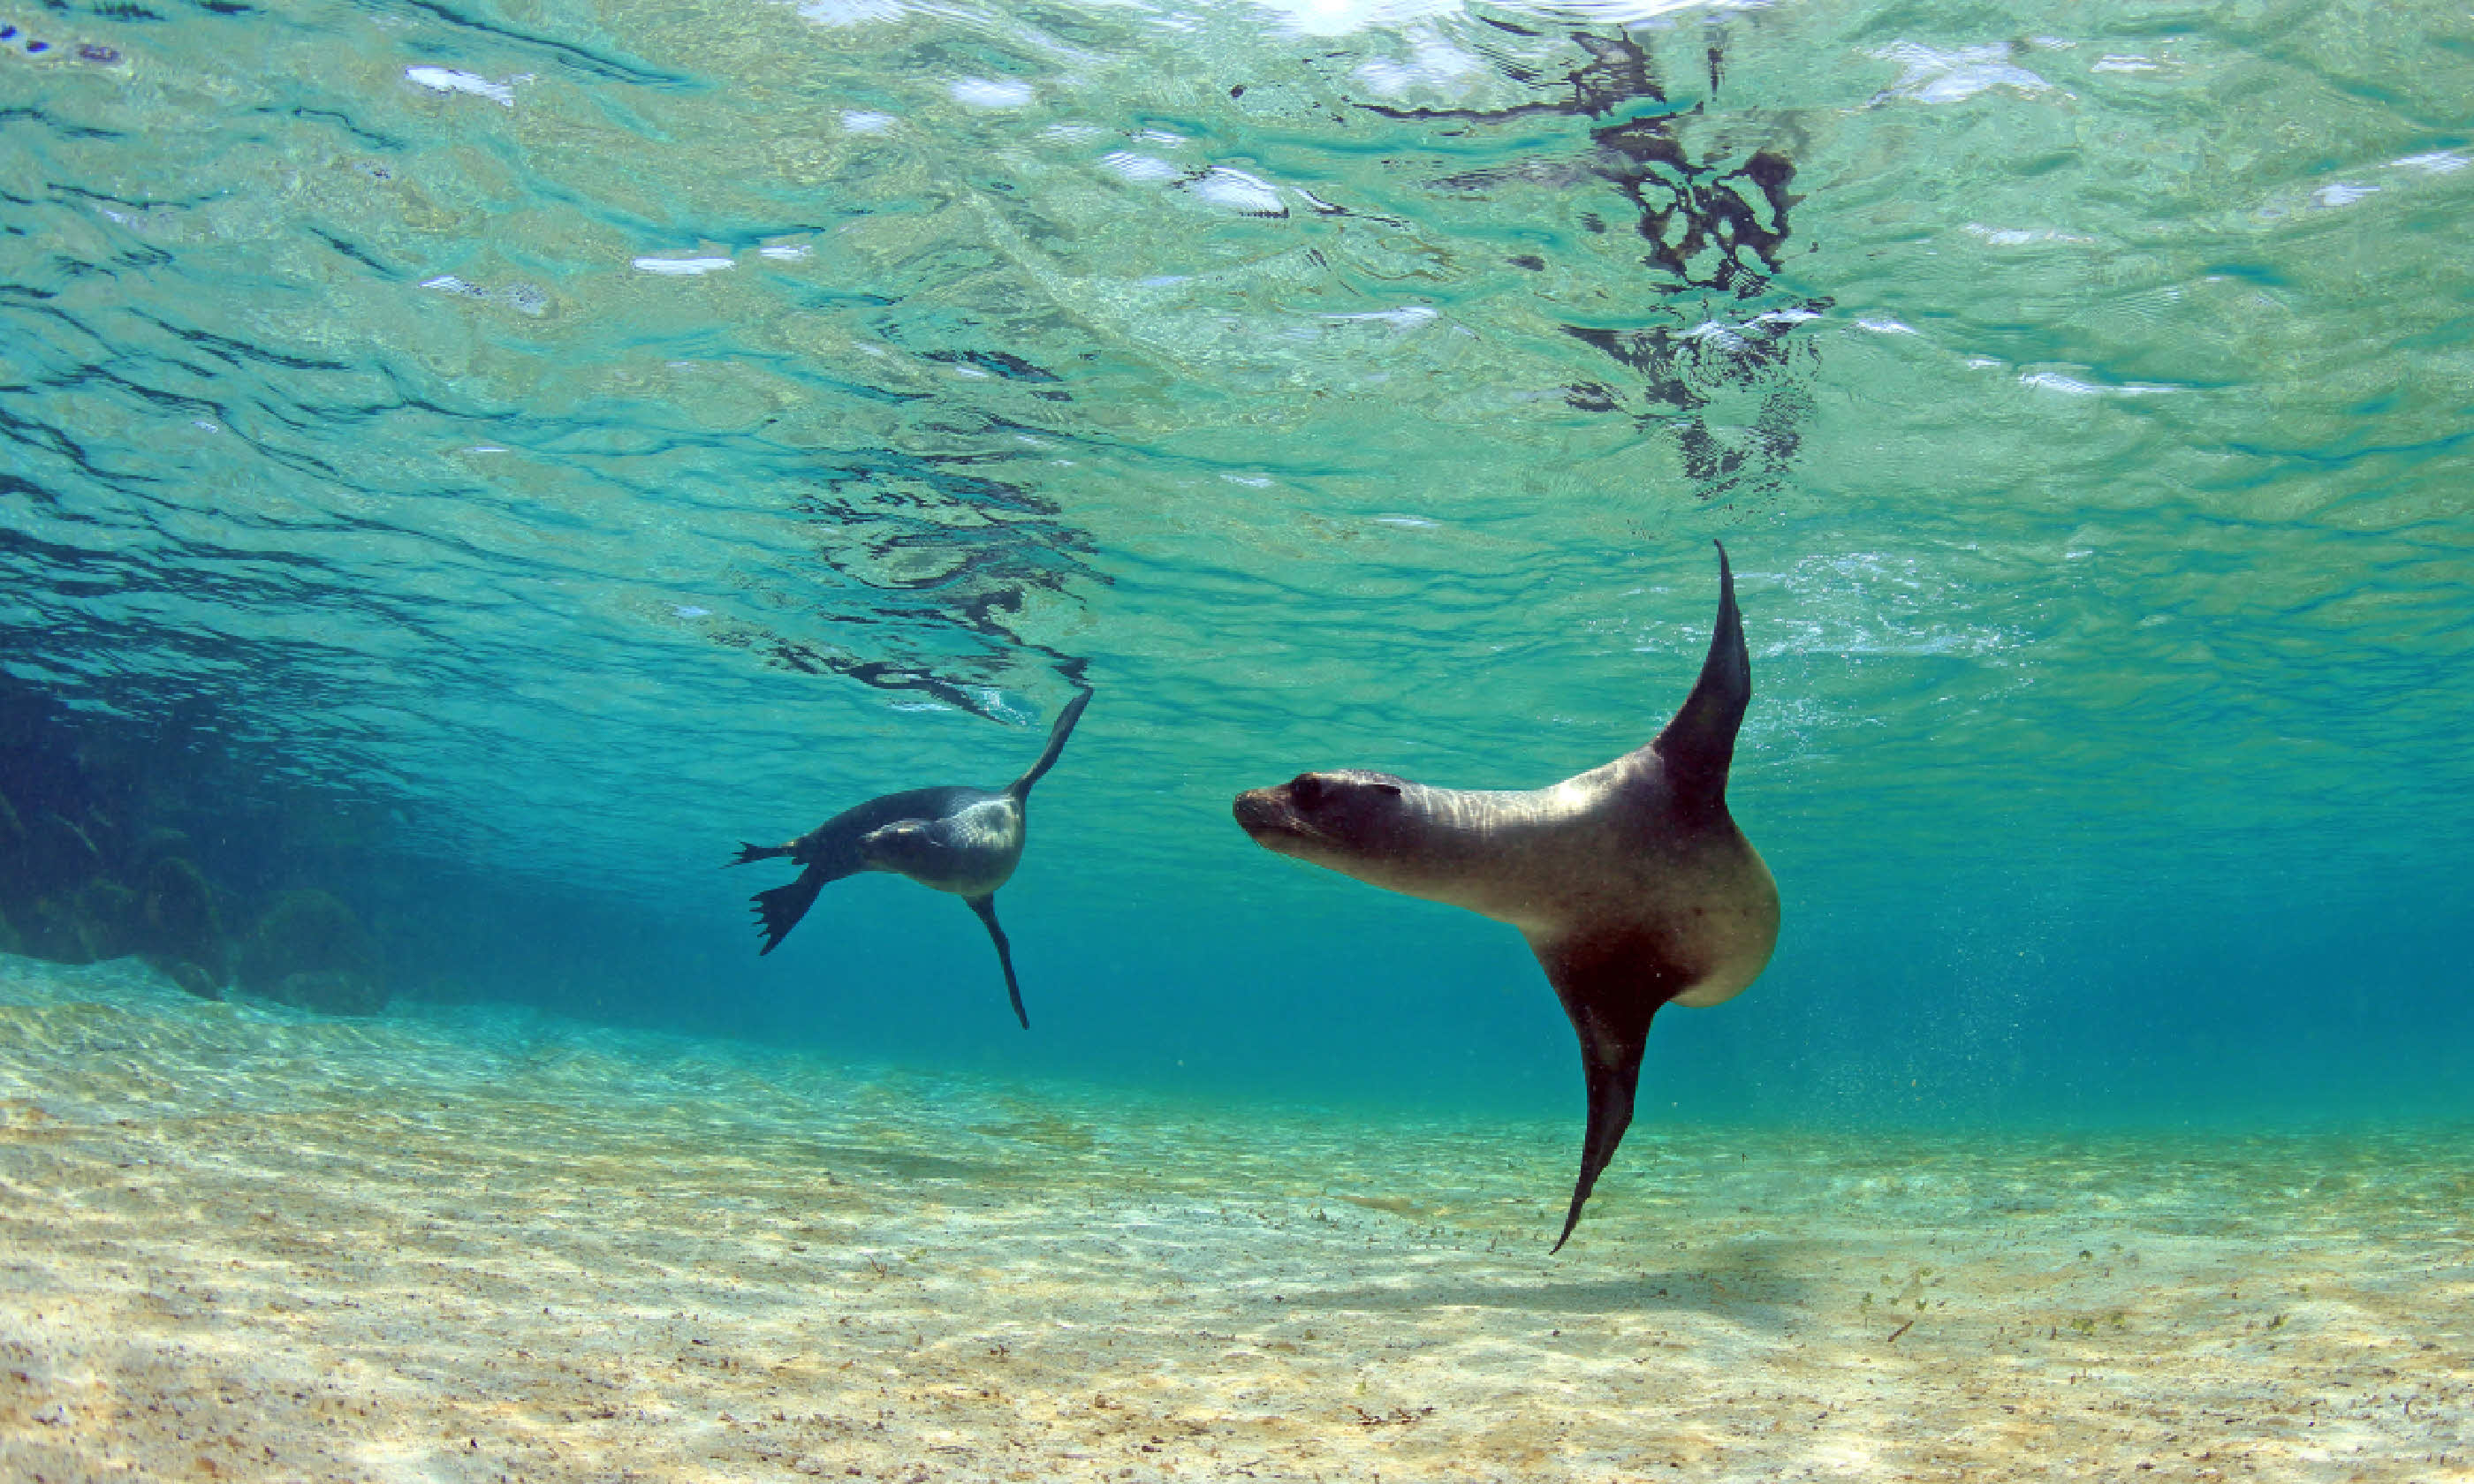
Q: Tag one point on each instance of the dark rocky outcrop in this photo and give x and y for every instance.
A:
(180, 931)
(95, 919)
(52, 931)
(309, 949)
(178, 914)
(188, 975)
(110, 916)
(130, 828)
(58, 848)
(156, 844)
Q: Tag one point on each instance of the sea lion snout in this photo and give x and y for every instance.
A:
(1265, 812)
(1345, 820)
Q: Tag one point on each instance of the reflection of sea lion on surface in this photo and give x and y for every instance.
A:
(27, 44)
(957, 839)
(1631, 881)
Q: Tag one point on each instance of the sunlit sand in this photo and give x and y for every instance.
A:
(246, 1243)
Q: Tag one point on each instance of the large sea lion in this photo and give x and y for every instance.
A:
(957, 839)
(1631, 881)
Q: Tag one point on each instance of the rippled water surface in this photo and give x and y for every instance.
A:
(589, 435)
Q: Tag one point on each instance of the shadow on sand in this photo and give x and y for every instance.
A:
(1752, 1284)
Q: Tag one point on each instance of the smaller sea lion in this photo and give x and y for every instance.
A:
(1631, 881)
(957, 839)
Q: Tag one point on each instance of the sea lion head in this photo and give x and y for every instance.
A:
(1347, 821)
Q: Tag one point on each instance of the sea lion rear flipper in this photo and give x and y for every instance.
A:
(780, 909)
(1611, 987)
(1699, 745)
(986, 908)
(1611, 1101)
(1057, 736)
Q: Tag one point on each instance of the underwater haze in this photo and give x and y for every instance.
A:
(466, 468)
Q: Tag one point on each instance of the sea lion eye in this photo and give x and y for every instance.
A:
(1305, 790)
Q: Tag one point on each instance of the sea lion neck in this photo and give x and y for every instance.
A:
(1510, 854)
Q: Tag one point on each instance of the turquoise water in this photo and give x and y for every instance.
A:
(485, 462)
(466, 466)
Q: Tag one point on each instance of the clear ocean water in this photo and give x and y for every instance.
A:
(483, 460)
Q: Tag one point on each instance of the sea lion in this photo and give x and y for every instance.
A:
(1631, 881)
(956, 839)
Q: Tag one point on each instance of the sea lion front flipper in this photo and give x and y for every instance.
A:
(986, 908)
(1610, 986)
(1699, 745)
(1057, 736)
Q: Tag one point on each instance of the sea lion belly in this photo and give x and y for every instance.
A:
(1732, 928)
(970, 852)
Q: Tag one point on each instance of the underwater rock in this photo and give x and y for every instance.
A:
(53, 932)
(178, 915)
(156, 844)
(309, 933)
(110, 916)
(188, 976)
(95, 921)
(10, 941)
(337, 992)
(42, 853)
(18, 879)
(66, 846)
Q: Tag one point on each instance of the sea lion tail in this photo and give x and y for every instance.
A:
(749, 853)
(779, 910)
(1611, 1100)
(1611, 987)
(1057, 736)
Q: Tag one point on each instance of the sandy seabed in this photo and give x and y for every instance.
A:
(239, 1242)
